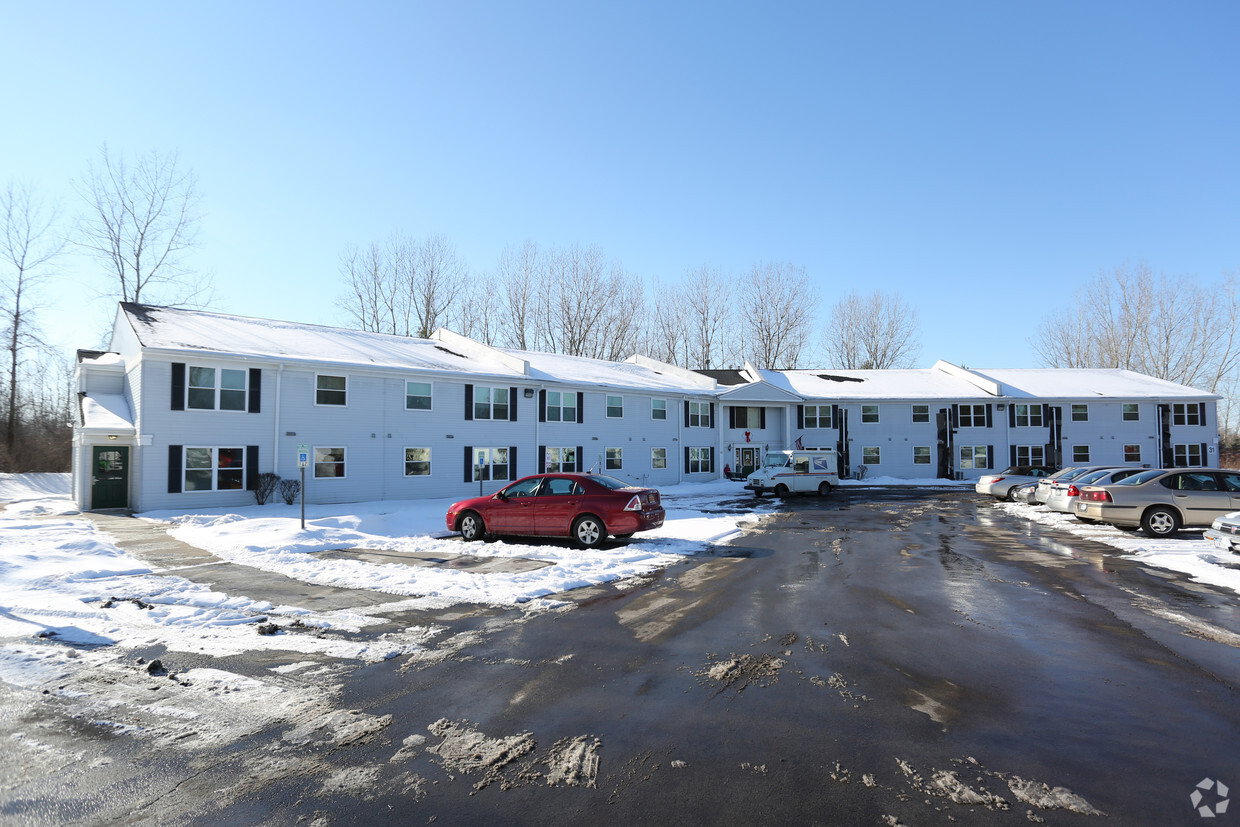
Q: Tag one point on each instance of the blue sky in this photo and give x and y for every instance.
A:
(982, 160)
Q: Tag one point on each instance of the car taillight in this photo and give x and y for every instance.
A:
(1073, 491)
(635, 504)
(1099, 496)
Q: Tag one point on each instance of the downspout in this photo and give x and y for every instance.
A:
(275, 432)
(680, 439)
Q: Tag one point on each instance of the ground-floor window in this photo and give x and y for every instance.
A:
(490, 464)
(921, 454)
(1189, 456)
(1132, 453)
(700, 460)
(870, 455)
(214, 469)
(974, 456)
(658, 457)
(328, 462)
(1029, 454)
(1080, 453)
(417, 462)
(559, 460)
(615, 459)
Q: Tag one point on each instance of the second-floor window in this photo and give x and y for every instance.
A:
(490, 403)
(417, 396)
(972, 416)
(561, 406)
(1028, 416)
(615, 407)
(817, 416)
(209, 389)
(331, 390)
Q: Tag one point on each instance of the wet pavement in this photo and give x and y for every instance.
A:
(882, 656)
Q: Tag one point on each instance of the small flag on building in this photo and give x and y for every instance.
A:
(798, 444)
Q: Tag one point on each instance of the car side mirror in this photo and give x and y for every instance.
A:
(500, 495)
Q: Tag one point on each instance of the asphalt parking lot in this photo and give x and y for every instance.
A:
(882, 656)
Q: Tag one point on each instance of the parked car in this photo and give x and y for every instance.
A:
(1161, 501)
(1225, 532)
(1024, 493)
(1064, 494)
(1071, 472)
(583, 507)
(1000, 485)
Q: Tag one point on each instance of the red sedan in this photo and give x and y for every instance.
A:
(584, 507)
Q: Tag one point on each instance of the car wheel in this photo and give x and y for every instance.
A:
(588, 531)
(824, 489)
(1011, 494)
(472, 527)
(781, 490)
(1160, 522)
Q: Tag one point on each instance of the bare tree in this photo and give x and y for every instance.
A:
(776, 306)
(372, 293)
(665, 336)
(435, 276)
(873, 332)
(707, 300)
(1174, 329)
(28, 248)
(519, 273)
(141, 222)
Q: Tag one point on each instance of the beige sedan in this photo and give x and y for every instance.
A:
(1162, 501)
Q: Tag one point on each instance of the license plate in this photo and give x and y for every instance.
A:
(1081, 506)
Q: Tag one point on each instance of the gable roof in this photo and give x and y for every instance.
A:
(1087, 383)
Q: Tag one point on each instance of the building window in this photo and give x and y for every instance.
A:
(870, 455)
(417, 396)
(699, 414)
(490, 403)
(490, 464)
(331, 390)
(417, 462)
(561, 406)
(972, 416)
(615, 459)
(658, 457)
(615, 407)
(699, 461)
(202, 392)
(869, 414)
(559, 460)
(1132, 453)
(817, 416)
(1080, 413)
(921, 413)
(1189, 456)
(921, 454)
(1080, 453)
(214, 469)
(328, 462)
(1028, 416)
(974, 456)
(658, 409)
(1186, 414)
(1132, 412)
(1030, 455)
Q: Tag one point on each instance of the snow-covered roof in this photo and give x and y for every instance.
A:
(922, 383)
(1086, 383)
(577, 370)
(106, 412)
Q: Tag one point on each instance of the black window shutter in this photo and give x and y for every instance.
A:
(1204, 453)
(512, 462)
(956, 411)
(686, 468)
(581, 459)
(990, 456)
(1012, 418)
(542, 459)
(712, 414)
(731, 416)
(469, 402)
(469, 463)
(542, 405)
(178, 389)
(251, 467)
(581, 407)
(835, 417)
(174, 467)
(686, 413)
(256, 390)
(1202, 407)
(990, 416)
(711, 460)
(1013, 452)
(1046, 415)
(762, 419)
(801, 416)
(512, 404)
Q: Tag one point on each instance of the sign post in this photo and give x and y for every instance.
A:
(303, 459)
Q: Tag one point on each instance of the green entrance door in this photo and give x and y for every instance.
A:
(110, 477)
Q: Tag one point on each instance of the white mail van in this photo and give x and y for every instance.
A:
(800, 470)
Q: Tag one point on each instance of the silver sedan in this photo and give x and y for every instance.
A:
(1161, 501)
(1225, 532)
(1064, 494)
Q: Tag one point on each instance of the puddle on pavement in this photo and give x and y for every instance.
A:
(424, 559)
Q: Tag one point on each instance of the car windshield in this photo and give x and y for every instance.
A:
(611, 482)
(1144, 476)
(775, 461)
